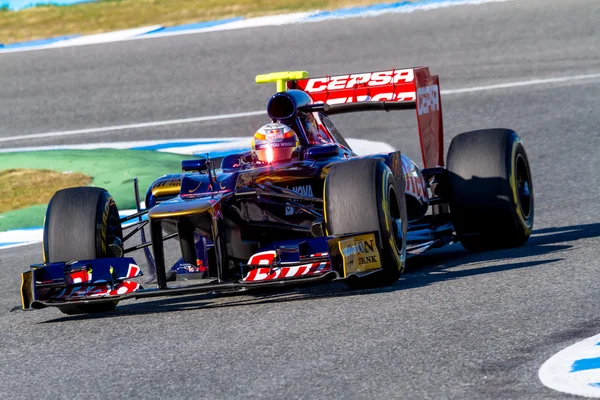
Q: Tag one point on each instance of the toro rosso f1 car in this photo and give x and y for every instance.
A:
(326, 214)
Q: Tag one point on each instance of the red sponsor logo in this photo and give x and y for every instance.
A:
(200, 265)
(216, 209)
(415, 183)
(262, 258)
(81, 276)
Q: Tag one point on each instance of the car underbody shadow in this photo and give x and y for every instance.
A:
(545, 246)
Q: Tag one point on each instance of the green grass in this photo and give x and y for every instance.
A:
(22, 188)
(113, 170)
(109, 15)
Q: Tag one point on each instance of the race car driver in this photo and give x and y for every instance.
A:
(274, 143)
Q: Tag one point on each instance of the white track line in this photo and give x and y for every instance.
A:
(133, 126)
(261, 112)
(520, 84)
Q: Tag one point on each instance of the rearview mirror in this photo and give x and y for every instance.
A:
(322, 151)
(200, 165)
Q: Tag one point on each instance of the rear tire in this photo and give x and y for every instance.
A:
(491, 201)
(363, 195)
(81, 224)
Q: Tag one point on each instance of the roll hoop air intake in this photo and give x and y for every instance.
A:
(285, 105)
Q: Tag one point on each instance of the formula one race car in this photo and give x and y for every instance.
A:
(320, 214)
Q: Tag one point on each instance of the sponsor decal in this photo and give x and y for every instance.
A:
(174, 182)
(267, 274)
(415, 183)
(216, 209)
(262, 258)
(275, 134)
(359, 254)
(200, 265)
(124, 288)
(185, 268)
(396, 164)
(104, 226)
(304, 190)
(387, 96)
(265, 270)
(428, 99)
(275, 145)
(132, 272)
(367, 79)
(81, 276)
(168, 185)
(98, 290)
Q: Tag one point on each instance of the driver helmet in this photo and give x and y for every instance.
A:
(275, 142)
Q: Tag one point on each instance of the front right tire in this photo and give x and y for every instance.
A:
(363, 195)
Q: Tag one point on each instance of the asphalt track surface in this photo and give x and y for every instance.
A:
(457, 325)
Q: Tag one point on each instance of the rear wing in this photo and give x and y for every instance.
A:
(411, 88)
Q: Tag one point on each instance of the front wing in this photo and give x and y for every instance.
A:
(113, 279)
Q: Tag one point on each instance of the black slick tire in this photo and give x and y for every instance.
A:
(81, 223)
(363, 195)
(491, 191)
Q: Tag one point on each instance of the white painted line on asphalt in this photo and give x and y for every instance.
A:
(132, 126)
(521, 84)
(446, 92)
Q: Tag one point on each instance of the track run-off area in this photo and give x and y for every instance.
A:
(457, 325)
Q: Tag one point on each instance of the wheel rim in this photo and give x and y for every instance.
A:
(398, 232)
(523, 183)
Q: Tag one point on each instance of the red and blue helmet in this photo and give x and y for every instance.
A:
(275, 142)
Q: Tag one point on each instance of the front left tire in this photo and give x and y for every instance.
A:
(81, 224)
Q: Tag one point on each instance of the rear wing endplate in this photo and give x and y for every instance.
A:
(414, 88)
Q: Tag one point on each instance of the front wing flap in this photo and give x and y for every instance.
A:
(75, 281)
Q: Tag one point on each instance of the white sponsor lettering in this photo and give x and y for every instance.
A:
(340, 82)
(381, 78)
(275, 145)
(428, 99)
(316, 85)
(358, 79)
(404, 76)
(305, 190)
